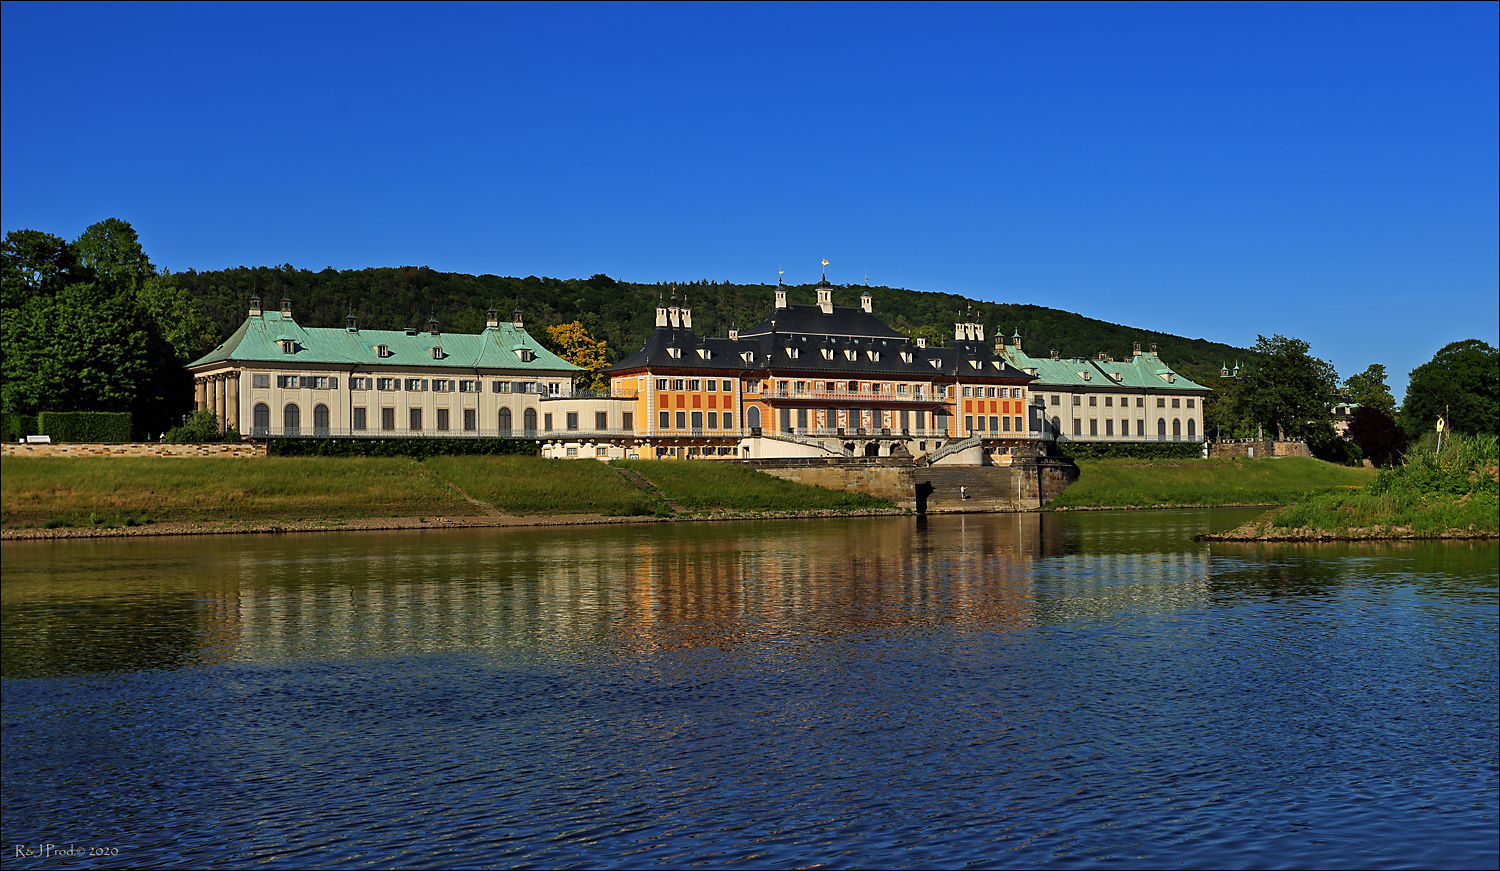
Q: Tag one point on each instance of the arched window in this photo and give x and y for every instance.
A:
(504, 422)
(1056, 424)
(1161, 429)
(1192, 430)
(320, 420)
(1176, 430)
(291, 420)
(529, 420)
(261, 425)
(752, 417)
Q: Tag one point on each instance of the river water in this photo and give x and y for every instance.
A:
(1066, 690)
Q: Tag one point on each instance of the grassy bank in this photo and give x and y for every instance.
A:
(1431, 496)
(1159, 484)
(531, 485)
(710, 486)
(128, 492)
(116, 491)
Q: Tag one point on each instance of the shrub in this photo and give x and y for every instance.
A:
(200, 426)
(1130, 450)
(416, 448)
(17, 426)
(85, 426)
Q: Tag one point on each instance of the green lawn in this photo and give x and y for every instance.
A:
(1144, 484)
(85, 491)
(531, 485)
(703, 485)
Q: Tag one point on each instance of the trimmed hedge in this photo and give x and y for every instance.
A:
(14, 426)
(1131, 450)
(85, 426)
(416, 448)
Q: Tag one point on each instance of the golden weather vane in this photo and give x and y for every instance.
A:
(825, 267)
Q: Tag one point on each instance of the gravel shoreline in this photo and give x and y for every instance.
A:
(1261, 530)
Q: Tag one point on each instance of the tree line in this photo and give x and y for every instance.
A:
(92, 325)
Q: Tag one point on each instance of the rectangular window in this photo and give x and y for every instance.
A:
(1004, 424)
(601, 452)
(1140, 402)
(713, 420)
(1176, 403)
(467, 386)
(359, 418)
(414, 384)
(1190, 403)
(286, 381)
(968, 393)
(1109, 427)
(414, 419)
(1160, 402)
(471, 420)
(1093, 400)
(359, 383)
(547, 421)
(261, 379)
(713, 385)
(678, 384)
(388, 419)
(1077, 426)
(440, 385)
(682, 420)
(1019, 428)
(601, 420)
(572, 420)
(665, 420)
(1056, 400)
(572, 452)
(1077, 400)
(695, 384)
(1093, 426)
(499, 386)
(1109, 402)
(752, 386)
(442, 419)
(990, 392)
(627, 421)
(661, 384)
(554, 388)
(697, 420)
(1140, 428)
(387, 384)
(969, 422)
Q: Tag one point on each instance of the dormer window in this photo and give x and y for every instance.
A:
(382, 351)
(851, 355)
(974, 364)
(748, 356)
(526, 354)
(674, 353)
(827, 353)
(936, 364)
(791, 352)
(905, 356)
(288, 346)
(437, 353)
(873, 355)
(705, 354)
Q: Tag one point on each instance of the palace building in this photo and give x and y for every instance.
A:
(807, 381)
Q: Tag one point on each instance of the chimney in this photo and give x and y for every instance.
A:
(867, 303)
(661, 313)
(921, 342)
(255, 306)
(492, 318)
(1054, 353)
(1135, 350)
(687, 318)
(979, 332)
(780, 298)
(734, 335)
(958, 332)
(825, 300)
(286, 308)
(515, 316)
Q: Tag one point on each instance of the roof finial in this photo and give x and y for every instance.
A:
(825, 268)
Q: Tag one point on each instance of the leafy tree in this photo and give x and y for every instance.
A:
(1286, 390)
(111, 249)
(1369, 389)
(573, 343)
(1378, 435)
(1461, 383)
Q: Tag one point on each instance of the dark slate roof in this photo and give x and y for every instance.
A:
(817, 355)
(810, 320)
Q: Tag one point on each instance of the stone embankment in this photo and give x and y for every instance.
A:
(1026, 484)
(233, 450)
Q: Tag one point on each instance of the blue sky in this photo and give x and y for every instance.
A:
(1322, 171)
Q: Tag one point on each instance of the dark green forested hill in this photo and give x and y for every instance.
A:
(623, 313)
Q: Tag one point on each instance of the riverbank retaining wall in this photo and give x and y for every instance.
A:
(1257, 449)
(1026, 484)
(234, 450)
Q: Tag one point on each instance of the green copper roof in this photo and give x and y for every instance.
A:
(258, 340)
(1140, 372)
